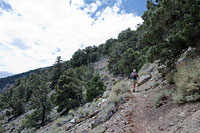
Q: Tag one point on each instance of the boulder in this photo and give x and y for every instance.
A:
(106, 94)
(73, 120)
(95, 123)
(150, 69)
(147, 69)
(143, 79)
(190, 52)
(84, 131)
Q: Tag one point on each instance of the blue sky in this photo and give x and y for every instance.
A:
(34, 32)
(128, 6)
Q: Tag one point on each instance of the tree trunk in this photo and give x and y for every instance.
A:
(43, 115)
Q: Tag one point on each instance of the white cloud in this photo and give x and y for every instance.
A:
(46, 25)
(119, 3)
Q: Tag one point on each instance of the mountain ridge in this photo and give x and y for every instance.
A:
(5, 82)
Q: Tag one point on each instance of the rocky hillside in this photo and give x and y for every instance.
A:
(150, 109)
(7, 81)
(72, 97)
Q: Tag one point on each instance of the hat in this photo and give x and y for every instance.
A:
(134, 70)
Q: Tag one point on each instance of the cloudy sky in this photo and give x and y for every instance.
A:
(34, 32)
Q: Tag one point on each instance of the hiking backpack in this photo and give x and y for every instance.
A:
(134, 75)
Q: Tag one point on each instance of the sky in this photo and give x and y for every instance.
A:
(34, 32)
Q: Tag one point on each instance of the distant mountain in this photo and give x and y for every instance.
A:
(4, 74)
(7, 81)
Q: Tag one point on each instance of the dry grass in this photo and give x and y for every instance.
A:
(161, 96)
(106, 113)
(119, 91)
(187, 80)
(117, 94)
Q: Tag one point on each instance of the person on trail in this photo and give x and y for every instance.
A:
(134, 77)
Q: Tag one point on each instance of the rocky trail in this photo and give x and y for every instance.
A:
(131, 116)
(139, 114)
(136, 114)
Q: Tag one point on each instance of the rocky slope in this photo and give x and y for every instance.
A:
(136, 113)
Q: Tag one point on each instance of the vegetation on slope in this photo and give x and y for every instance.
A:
(187, 80)
(169, 27)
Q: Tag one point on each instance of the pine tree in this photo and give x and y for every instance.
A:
(68, 91)
(94, 88)
(57, 71)
(41, 104)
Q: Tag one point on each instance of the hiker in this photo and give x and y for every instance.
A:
(134, 77)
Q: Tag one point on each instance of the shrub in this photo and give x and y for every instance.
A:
(1, 129)
(161, 96)
(170, 78)
(61, 121)
(68, 91)
(155, 84)
(94, 88)
(107, 113)
(119, 91)
(187, 80)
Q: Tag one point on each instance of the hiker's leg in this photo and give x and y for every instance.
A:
(134, 83)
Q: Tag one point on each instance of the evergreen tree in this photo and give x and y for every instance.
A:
(79, 58)
(94, 88)
(57, 71)
(130, 60)
(68, 91)
(41, 104)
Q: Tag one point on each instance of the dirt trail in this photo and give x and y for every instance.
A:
(139, 115)
(131, 117)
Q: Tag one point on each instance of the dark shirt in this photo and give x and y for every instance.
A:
(134, 77)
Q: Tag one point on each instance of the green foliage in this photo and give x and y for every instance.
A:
(15, 98)
(170, 78)
(187, 80)
(169, 27)
(91, 54)
(41, 104)
(119, 91)
(94, 88)
(7, 81)
(1, 128)
(85, 73)
(105, 114)
(130, 59)
(85, 56)
(161, 96)
(68, 91)
(125, 55)
(107, 47)
(155, 84)
(57, 71)
(79, 58)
